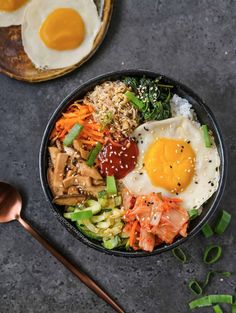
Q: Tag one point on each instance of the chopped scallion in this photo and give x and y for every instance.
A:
(195, 287)
(93, 154)
(206, 135)
(134, 100)
(222, 222)
(207, 231)
(82, 215)
(179, 254)
(73, 134)
(212, 254)
(193, 213)
(217, 309)
(209, 300)
(111, 185)
(234, 307)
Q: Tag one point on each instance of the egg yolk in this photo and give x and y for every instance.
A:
(170, 164)
(11, 5)
(63, 29)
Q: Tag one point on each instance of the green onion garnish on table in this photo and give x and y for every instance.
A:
(179, 254)
(212, 254)
(206, 135)
(234, 307)
(222, 223)
(73, 134)
(209, 300)
(111, 185)
(207, 231)
(195, 287)
(217, 309)
(93, 154)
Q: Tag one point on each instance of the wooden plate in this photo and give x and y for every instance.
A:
(15, 63)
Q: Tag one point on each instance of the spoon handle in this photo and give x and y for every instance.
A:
(81, 275)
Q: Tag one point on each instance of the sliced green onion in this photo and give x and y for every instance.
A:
(134, 100)
(73, 133)
(179, 254)
(212, 273)
(207, 231)
(201, 302)
(212, 254)
(222, 222)
(209, 300)
(217, 309)
(93, 154)
(234, 307)
(111, 185)
(221, 299)
(82, 215)
(195, 287)
(193, 213)
(206, 135)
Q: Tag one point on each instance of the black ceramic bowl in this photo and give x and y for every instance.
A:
(205, 116)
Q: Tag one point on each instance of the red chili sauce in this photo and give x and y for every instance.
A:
(118, 159)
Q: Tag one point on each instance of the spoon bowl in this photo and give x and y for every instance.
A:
(10, 203)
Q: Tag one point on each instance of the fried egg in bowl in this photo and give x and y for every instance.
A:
(173, 160)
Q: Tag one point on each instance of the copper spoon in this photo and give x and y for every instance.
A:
(10, 208)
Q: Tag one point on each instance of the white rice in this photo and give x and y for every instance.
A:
(181, 106)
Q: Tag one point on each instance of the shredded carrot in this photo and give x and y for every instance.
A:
(81, 114)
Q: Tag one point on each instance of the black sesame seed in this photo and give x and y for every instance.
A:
(212, 184)
(146, 129)
(171, 166)
(210, 161)
(179, 184)
(177, 194)
(140, 173)
(188, 142)
(196, 182)
(141, 142)
(217, 169)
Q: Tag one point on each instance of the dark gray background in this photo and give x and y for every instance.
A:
(192, 41)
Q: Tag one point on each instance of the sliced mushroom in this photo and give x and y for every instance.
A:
(77, 180)
(50, 176)
(69, 199)
(98, 182)
(59, 173)
(79, 147)
(94, 190)
(53, 151)
(85, 170)
(72, 190)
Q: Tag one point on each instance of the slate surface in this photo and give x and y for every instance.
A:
(192, 41)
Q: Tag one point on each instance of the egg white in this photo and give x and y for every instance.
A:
(42, 56)
(206, 165)
(13, 17)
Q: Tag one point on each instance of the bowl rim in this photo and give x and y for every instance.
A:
(111, 76)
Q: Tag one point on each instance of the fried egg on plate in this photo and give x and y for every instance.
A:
(59, 33)
(173, 160)
(12, 12)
